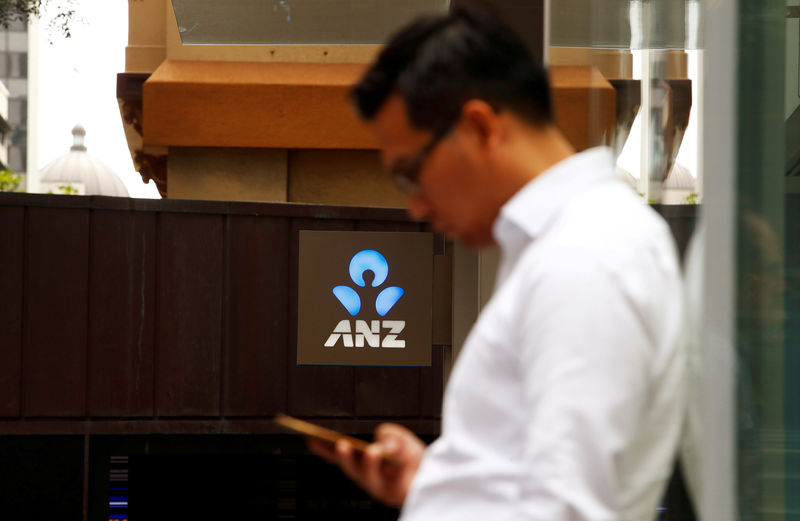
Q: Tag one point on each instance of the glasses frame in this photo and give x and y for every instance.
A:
(406, 175)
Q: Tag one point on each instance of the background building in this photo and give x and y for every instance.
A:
(18, 54)
(5, 128)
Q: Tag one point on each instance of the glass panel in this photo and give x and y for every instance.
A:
(295, 21)
(619, 24)
(16, 158)
(17, 111)
(768, 260)
(598, 24)
(4, 59)
(648, 52)
(18, 41)
(663, 23)
(18, 62)
(18, 88)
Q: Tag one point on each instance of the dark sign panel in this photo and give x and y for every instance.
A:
(364, 298)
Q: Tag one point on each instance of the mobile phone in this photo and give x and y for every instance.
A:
(311, 430)
(318, 433)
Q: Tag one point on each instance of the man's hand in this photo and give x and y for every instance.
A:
(387, 480)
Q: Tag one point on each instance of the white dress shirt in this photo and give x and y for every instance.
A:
(567, 399)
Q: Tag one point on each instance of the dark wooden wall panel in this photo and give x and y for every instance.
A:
(315, 390)
(127, 315)
(432, 385)
(255, 349)
(12, 222)
(388, 391)
(189, 307)
(388, 226)
(55, 310)
(121, 313)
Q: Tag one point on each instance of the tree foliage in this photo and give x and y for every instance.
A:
(20, 10)
(67, 189)
(9, 181)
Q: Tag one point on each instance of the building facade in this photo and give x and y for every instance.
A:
(18, 62)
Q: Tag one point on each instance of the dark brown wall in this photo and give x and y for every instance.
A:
(142, 316)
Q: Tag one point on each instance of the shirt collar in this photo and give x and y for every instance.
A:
(529, 210)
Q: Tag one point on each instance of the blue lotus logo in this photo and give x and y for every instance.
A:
(363, 261)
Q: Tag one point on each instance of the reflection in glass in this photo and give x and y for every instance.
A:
(642, 45)
(295, 21)
(649, 52)
(664, 42)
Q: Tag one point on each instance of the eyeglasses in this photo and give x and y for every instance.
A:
(406, 173)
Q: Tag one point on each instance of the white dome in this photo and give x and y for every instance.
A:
(79, 167)
(680, 178)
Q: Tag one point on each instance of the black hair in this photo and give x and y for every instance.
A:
(439, 62)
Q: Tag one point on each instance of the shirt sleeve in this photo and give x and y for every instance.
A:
(585, 348)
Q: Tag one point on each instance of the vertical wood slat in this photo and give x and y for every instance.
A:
(432, 385)
(388, 392)
(122, 314)
(256, 316)
(433, 382)
(189, 307)
(315, 390)
(11, 267)
(55, 310)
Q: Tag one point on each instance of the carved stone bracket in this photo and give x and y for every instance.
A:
(152, 165)
(150, 162)
(132, 114)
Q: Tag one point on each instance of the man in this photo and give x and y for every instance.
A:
(567, 398)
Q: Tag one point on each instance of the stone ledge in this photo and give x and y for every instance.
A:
(305, 105)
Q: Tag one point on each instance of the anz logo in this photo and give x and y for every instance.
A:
(368, 332)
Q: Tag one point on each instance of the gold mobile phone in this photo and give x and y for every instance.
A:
(318, 433)
(321, 433)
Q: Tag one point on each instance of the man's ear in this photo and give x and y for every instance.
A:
(481, 123)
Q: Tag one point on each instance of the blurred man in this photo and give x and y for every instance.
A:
(566, 400)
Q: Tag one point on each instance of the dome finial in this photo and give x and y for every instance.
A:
(78, 168)
(78, 136)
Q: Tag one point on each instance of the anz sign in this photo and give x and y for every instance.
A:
(364, 298)
(368, 333)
